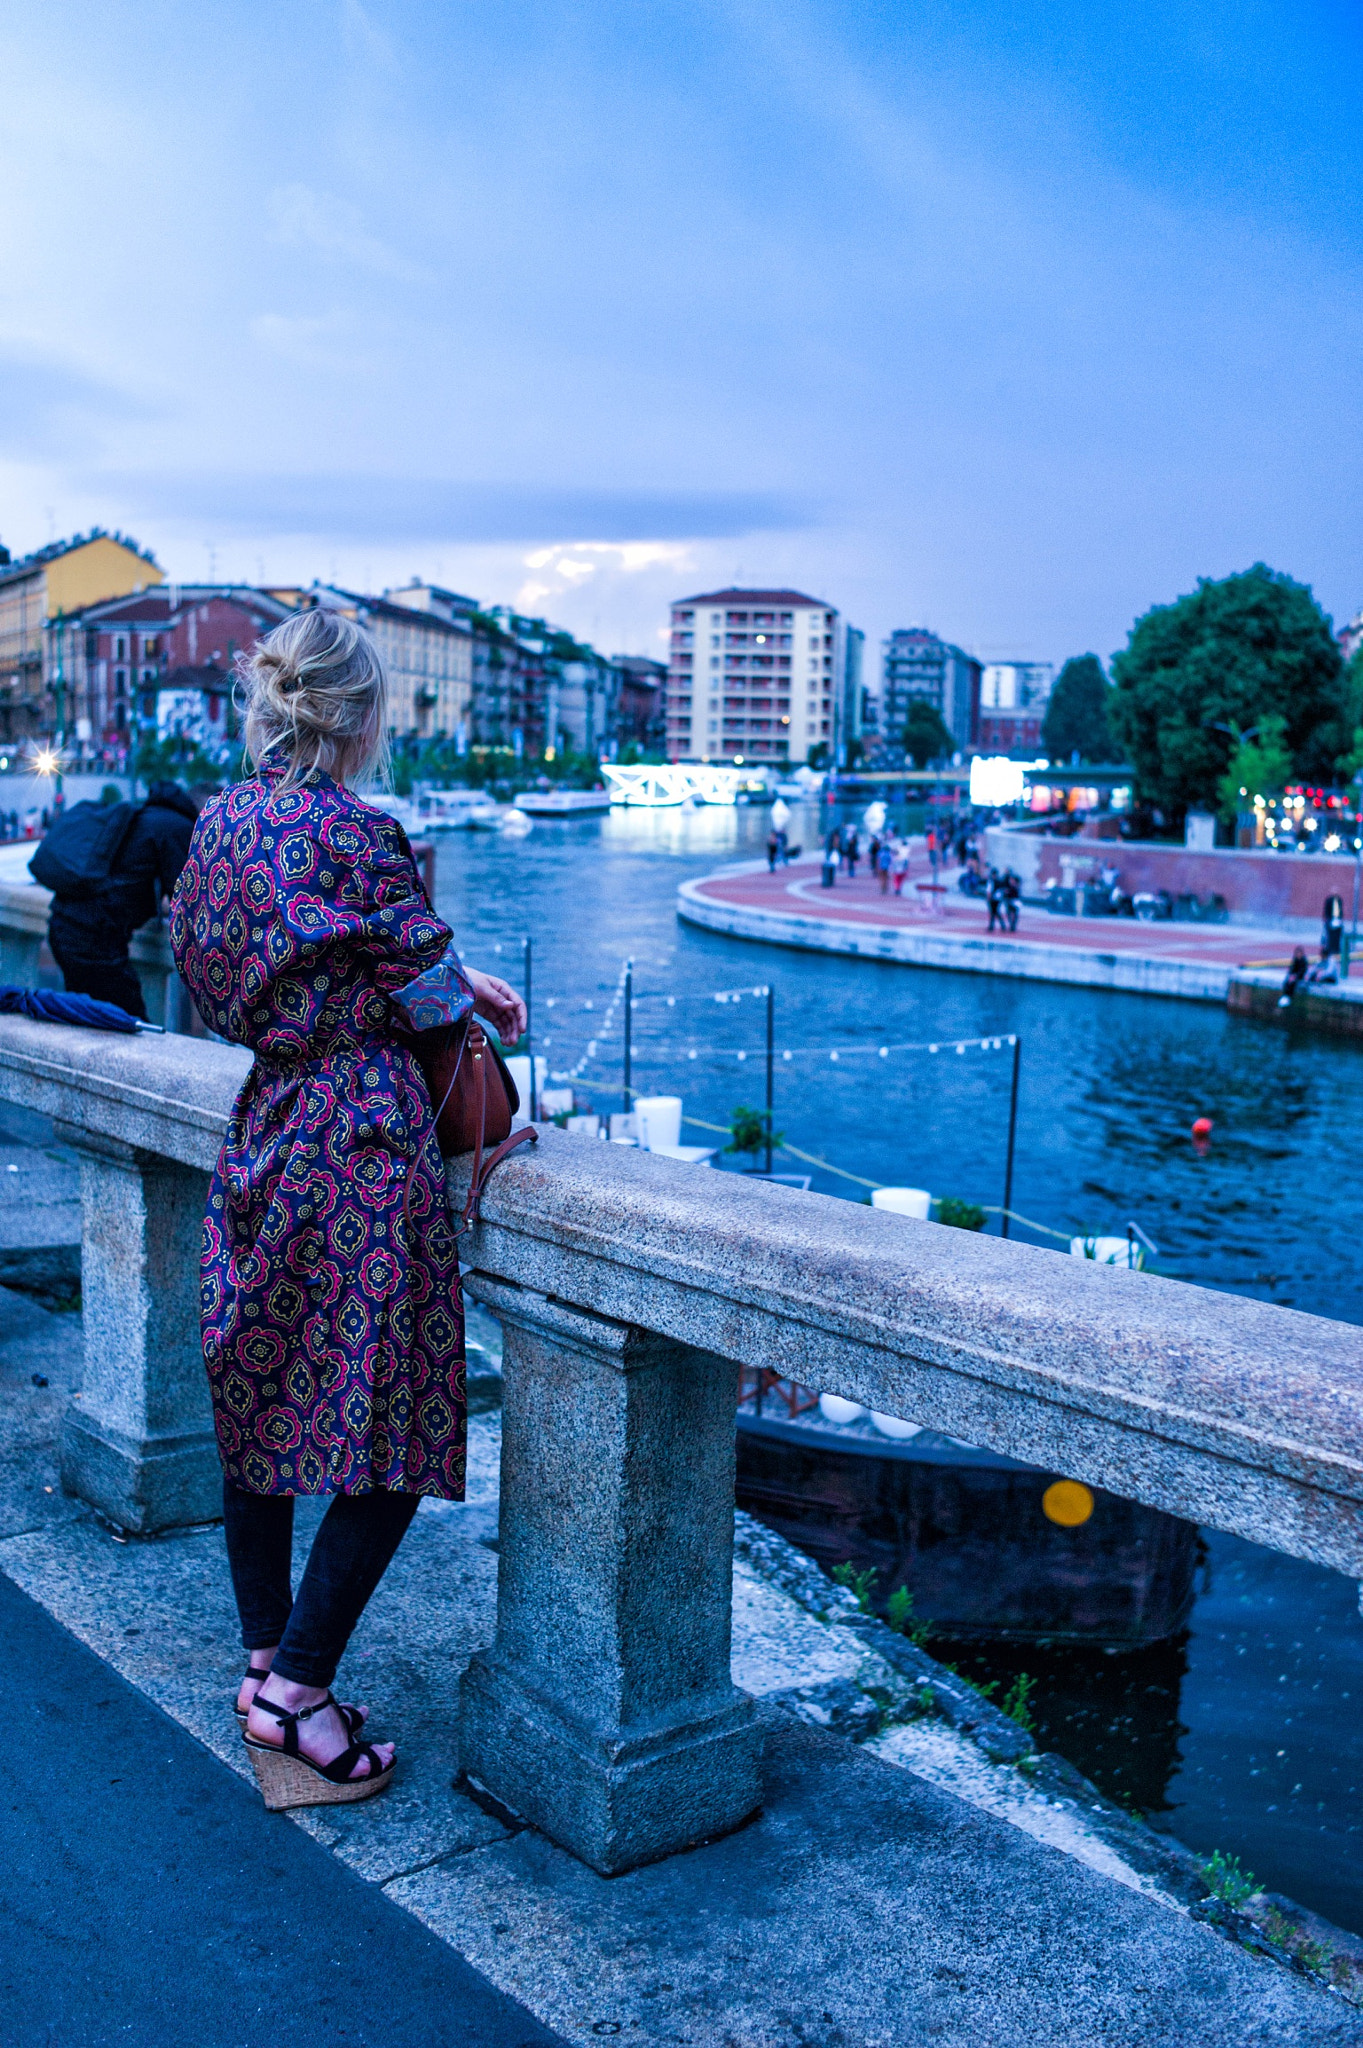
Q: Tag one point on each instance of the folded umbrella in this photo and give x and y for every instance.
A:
(53, 1006)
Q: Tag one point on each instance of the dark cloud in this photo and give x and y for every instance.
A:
(387, 508)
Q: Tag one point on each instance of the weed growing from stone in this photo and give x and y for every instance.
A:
(1226, 1880)
(858, 1584)
(1016, 1702)
(900, 1617)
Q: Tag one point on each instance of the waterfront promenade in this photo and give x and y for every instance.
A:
(939, 927)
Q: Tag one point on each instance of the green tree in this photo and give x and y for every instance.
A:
(1076, 717)
(1260, 766)
(1229, 654)
(926, 738)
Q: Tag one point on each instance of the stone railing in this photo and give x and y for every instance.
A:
(630, 1288)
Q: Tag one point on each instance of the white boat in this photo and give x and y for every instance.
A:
(562, 803)
(656, 785)
(458, 810)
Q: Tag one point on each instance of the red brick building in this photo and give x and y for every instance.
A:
(134, 666)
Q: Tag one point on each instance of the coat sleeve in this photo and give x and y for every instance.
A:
(350, 881)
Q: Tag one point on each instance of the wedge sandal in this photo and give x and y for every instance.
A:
(353, 1718)
(287, 1778)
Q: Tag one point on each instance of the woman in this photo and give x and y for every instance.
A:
(332, 1327)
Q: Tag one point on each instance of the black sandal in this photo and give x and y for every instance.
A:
(353, 1718)
(287, 1778)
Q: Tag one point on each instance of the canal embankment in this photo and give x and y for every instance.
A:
(933, 925)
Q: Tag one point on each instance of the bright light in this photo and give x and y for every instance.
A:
(45, 762)
(995, 780)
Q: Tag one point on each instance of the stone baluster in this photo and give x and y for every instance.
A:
(139, 1445)
(604, 1712)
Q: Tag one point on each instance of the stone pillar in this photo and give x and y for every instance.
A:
(138, 1444)
(604, 1712)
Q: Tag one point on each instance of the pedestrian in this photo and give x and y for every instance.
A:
(1012, 897)
(332, 1329)
(1296, 975)
(110, 867)
(933, 851)
(884, 860)
(851, 848)
(899, 864)
(773, 851)
(995, 900)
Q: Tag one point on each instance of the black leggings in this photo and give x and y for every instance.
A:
(350, 1554)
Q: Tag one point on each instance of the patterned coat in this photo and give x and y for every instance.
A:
(332, 1328)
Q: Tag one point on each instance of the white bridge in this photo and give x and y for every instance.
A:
(655, 786)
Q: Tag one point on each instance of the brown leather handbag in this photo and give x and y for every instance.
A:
(474, 1099)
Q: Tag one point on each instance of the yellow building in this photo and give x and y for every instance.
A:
(62, 578)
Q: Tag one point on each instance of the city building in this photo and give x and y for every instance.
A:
(917, 663)
(753, 675)
(155, 664)
(1350, 637)
(427, 653)
(1013, 700)
(55, 582)
(855, 719)
(640, 716)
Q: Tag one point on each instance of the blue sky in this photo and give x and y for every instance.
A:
(1009, 319)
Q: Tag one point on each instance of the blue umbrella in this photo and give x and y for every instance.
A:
(48, 1006)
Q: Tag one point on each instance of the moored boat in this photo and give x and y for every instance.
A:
(989, 1547)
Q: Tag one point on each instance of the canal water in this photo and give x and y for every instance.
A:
(1245, 1735)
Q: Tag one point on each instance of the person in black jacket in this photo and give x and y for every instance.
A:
(90, 938)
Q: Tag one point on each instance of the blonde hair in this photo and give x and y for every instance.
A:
(315, 696)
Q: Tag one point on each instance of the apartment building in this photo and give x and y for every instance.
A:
(1013, 700)
(158, 662)
(918, 663)
(56, 582)
(753, 675)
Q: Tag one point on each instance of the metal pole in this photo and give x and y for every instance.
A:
(771, 1065)
(629, 1021)
(1012, 1135)
(529, 1041)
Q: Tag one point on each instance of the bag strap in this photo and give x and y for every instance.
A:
(527, 1133)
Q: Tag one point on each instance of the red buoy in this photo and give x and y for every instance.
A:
(1202, 1128)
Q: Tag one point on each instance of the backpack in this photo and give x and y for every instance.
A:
(79, 853)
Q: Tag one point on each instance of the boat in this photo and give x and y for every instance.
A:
(458, 810)
(989, 1547)
(562, 803)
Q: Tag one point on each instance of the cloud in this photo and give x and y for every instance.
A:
(381, 509)
(302, 218)
(47, 409)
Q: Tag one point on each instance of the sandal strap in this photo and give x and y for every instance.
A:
(341, 1767)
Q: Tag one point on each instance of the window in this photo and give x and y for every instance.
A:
(120, 681)
(120, 649)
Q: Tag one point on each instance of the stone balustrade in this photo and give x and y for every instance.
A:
(630, 1289)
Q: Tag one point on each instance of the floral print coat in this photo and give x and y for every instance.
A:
(332, 1327)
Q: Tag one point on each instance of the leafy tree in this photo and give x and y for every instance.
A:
(1076, 717)
(1260, 766)
(926, 737)
(1229, 654)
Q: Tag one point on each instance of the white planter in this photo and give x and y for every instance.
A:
(903, 1201)
(834, 1409)
(890, 1425)
(659, 1120)
(1109, 1251)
